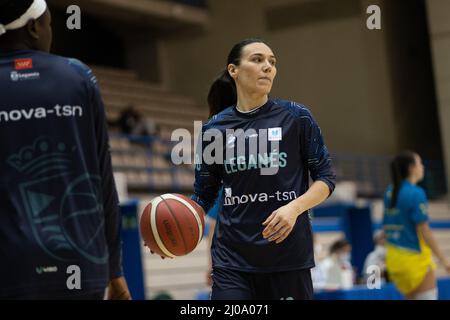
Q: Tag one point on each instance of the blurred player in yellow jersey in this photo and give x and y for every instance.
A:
(410, 243)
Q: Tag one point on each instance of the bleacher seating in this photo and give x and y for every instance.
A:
(146, 162)
(122, 88)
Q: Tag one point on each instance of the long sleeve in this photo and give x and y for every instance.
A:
(315, 152)
(113, 220)
(207, 178)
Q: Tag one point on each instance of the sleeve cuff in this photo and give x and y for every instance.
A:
(329, 183)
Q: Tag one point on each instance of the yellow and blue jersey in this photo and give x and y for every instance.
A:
(400, 222)
(408, 257)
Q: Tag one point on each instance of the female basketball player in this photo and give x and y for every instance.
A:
(43, 235)
(262, 247)
(409, 239)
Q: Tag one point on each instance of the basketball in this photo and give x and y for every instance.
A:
(172, 225)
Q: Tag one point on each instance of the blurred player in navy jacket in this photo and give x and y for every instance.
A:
(58, 203)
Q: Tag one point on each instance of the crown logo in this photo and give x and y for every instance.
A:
(42, 157)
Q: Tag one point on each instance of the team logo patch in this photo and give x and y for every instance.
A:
(22, 64)
(24, 76)
(230, 141)
(64, 209)
(275, 134)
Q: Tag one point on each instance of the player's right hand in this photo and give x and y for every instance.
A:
(153, 252)
(162, 257)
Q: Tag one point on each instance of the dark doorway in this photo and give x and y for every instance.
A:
(96, 43)
(413, 88)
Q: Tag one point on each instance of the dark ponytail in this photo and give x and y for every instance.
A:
(400, 171)
(222, 93)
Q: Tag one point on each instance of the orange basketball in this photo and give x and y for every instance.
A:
(172, 225)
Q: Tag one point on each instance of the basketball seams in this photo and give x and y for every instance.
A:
(153, 226)
(192, 210)
(176, 221)
(157, 236)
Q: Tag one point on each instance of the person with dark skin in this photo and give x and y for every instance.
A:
(54, 217)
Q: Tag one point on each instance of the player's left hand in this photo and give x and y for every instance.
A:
(280, 223)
